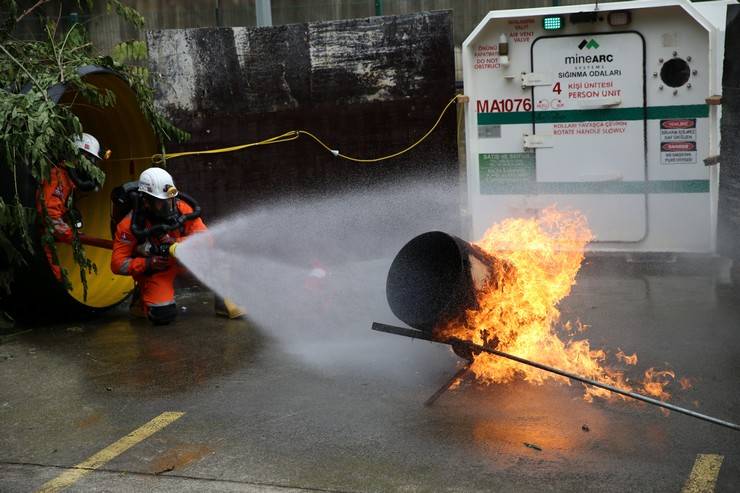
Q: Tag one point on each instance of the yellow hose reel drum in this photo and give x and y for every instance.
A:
(124, 130)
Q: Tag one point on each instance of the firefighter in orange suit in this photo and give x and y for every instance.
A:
(57, 193)
(142, 240)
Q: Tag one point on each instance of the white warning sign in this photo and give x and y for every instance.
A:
(596, 71)
(486, 57)
(678, 141)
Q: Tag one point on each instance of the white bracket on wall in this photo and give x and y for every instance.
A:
(534, 79)
(537, 141)
(601, 177)
(600, 103)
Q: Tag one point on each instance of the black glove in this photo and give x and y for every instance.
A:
(145, 249)
(148, 249)
(163, 248)
(157, 263)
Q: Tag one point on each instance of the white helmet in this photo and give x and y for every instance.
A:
(157, 183)
(89, 144)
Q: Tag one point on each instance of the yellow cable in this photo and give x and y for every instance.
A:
(288, 136)
(389, 156)
(160, 158)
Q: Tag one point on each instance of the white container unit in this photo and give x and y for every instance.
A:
(601, 109)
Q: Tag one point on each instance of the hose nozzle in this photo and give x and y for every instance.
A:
(172, 249)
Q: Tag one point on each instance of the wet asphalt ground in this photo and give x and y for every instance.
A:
(262, 415)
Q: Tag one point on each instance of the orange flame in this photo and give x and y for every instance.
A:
(630, 360)
(518, 309)
(656, 381)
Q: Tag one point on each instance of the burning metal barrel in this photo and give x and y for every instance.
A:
(435, 278)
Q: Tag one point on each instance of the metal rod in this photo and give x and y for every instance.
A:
(417, 334)
(402, 331)
(410, 333)
(458, 374)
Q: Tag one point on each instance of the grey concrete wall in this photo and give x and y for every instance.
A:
(366, 86)
(729, 181)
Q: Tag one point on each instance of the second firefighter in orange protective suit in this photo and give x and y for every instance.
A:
(142, 239)
(56, 195)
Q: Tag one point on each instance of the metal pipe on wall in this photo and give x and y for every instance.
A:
(264, 13)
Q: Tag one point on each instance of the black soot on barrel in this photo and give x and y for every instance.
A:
(435, 278)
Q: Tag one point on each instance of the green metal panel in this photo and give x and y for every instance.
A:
(595, 115)
(496, 187)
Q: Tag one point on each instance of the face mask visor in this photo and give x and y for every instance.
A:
(163, 209)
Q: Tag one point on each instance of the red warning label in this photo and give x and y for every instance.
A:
(678, 141)
(677, 146)
(674, 124)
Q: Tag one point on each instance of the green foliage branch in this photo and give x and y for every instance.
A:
(36, 133)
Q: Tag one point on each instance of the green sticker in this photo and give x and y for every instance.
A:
(506, 168)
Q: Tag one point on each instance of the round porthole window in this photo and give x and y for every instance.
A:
(675, 72)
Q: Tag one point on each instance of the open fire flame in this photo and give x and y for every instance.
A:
(518, 310)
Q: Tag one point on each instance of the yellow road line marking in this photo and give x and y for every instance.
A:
(110, 452)
(704, 474)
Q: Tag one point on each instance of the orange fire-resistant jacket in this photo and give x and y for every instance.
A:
(124, 260)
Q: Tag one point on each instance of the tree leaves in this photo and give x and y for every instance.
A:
(37, 133)
(130, 51)
(129, 14)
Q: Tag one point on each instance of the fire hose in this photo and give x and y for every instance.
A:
(96, 242)
(164, 250)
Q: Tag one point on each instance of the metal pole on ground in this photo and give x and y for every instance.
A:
(417, 334)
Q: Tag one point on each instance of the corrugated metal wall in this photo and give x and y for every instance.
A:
(107, 30)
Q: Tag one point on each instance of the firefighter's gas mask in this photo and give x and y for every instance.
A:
(162, 210)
